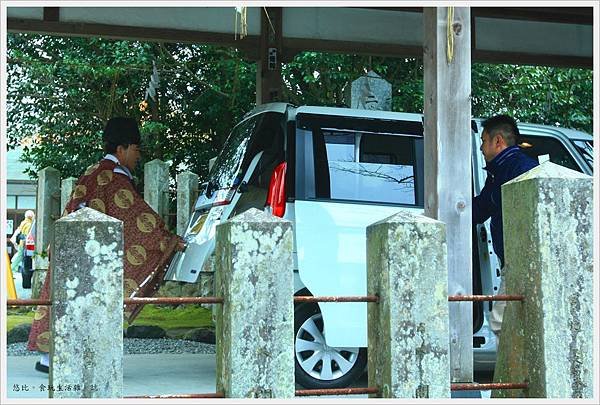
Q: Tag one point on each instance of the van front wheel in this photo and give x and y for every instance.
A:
(318, 365)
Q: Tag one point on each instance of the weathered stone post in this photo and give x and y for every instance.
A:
(255, 325)
(187, 192)
(408, 328)
(47, 211)
(66, 188)
(87, 310)
(156, 187)
(548, 240)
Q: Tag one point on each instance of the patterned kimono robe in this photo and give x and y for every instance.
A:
(148, 244)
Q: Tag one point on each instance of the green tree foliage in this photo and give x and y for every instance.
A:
(314, 78)
(542, 95)
(61, 91)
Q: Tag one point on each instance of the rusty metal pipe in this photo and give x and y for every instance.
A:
(24, 303)
(478, 298)
(132, 301)
(337, 391)
(173, 300)
(488, 386)
(308, 298)
(171, 396)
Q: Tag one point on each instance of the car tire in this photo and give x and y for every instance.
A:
(346, 365)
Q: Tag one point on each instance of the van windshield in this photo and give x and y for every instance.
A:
(229, 161)
(262, 132)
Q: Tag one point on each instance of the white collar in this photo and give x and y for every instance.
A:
(120, 168)
(110, 156)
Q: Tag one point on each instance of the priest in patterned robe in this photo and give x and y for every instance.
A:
(108, 187)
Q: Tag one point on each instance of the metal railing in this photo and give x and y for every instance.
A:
(315, 299)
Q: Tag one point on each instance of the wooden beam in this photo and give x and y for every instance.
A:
(51, 13)
(473, 35)
(401, 9)
(519, 58)
(249, 44)
(295, 45)
(268, 68)
(447, 135)
(566, 15)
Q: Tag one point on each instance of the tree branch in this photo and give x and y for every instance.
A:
(377, 174)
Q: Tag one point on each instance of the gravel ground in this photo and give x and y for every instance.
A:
(136, 346)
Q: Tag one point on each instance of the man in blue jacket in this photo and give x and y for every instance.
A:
(505, 161)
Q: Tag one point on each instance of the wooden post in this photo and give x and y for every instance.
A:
(447, 110)
(268, 67)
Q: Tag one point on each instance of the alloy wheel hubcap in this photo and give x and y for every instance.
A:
(316, 358)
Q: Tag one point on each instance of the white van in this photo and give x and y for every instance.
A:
(333, 172)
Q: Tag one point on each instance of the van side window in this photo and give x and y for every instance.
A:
(340, 146)
(542, 148)
(370, 167)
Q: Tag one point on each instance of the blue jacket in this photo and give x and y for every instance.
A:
(507, 165)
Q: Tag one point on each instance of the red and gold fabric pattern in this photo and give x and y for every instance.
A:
(148, 243)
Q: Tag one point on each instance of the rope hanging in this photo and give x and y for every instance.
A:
(241, 13)
(450, 36)
(269, 20)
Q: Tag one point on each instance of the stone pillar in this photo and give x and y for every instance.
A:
(156, 187)
(187, 193)
(255, 325)
(371, 92)
(408, 328)
(548, 243)
(47, 211)
(66, 188)
(87, 311)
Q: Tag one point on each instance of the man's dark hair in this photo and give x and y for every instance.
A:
(504, 125)
(120, 131)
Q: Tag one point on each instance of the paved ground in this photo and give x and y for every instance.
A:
(146, 374)
(143, 374)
